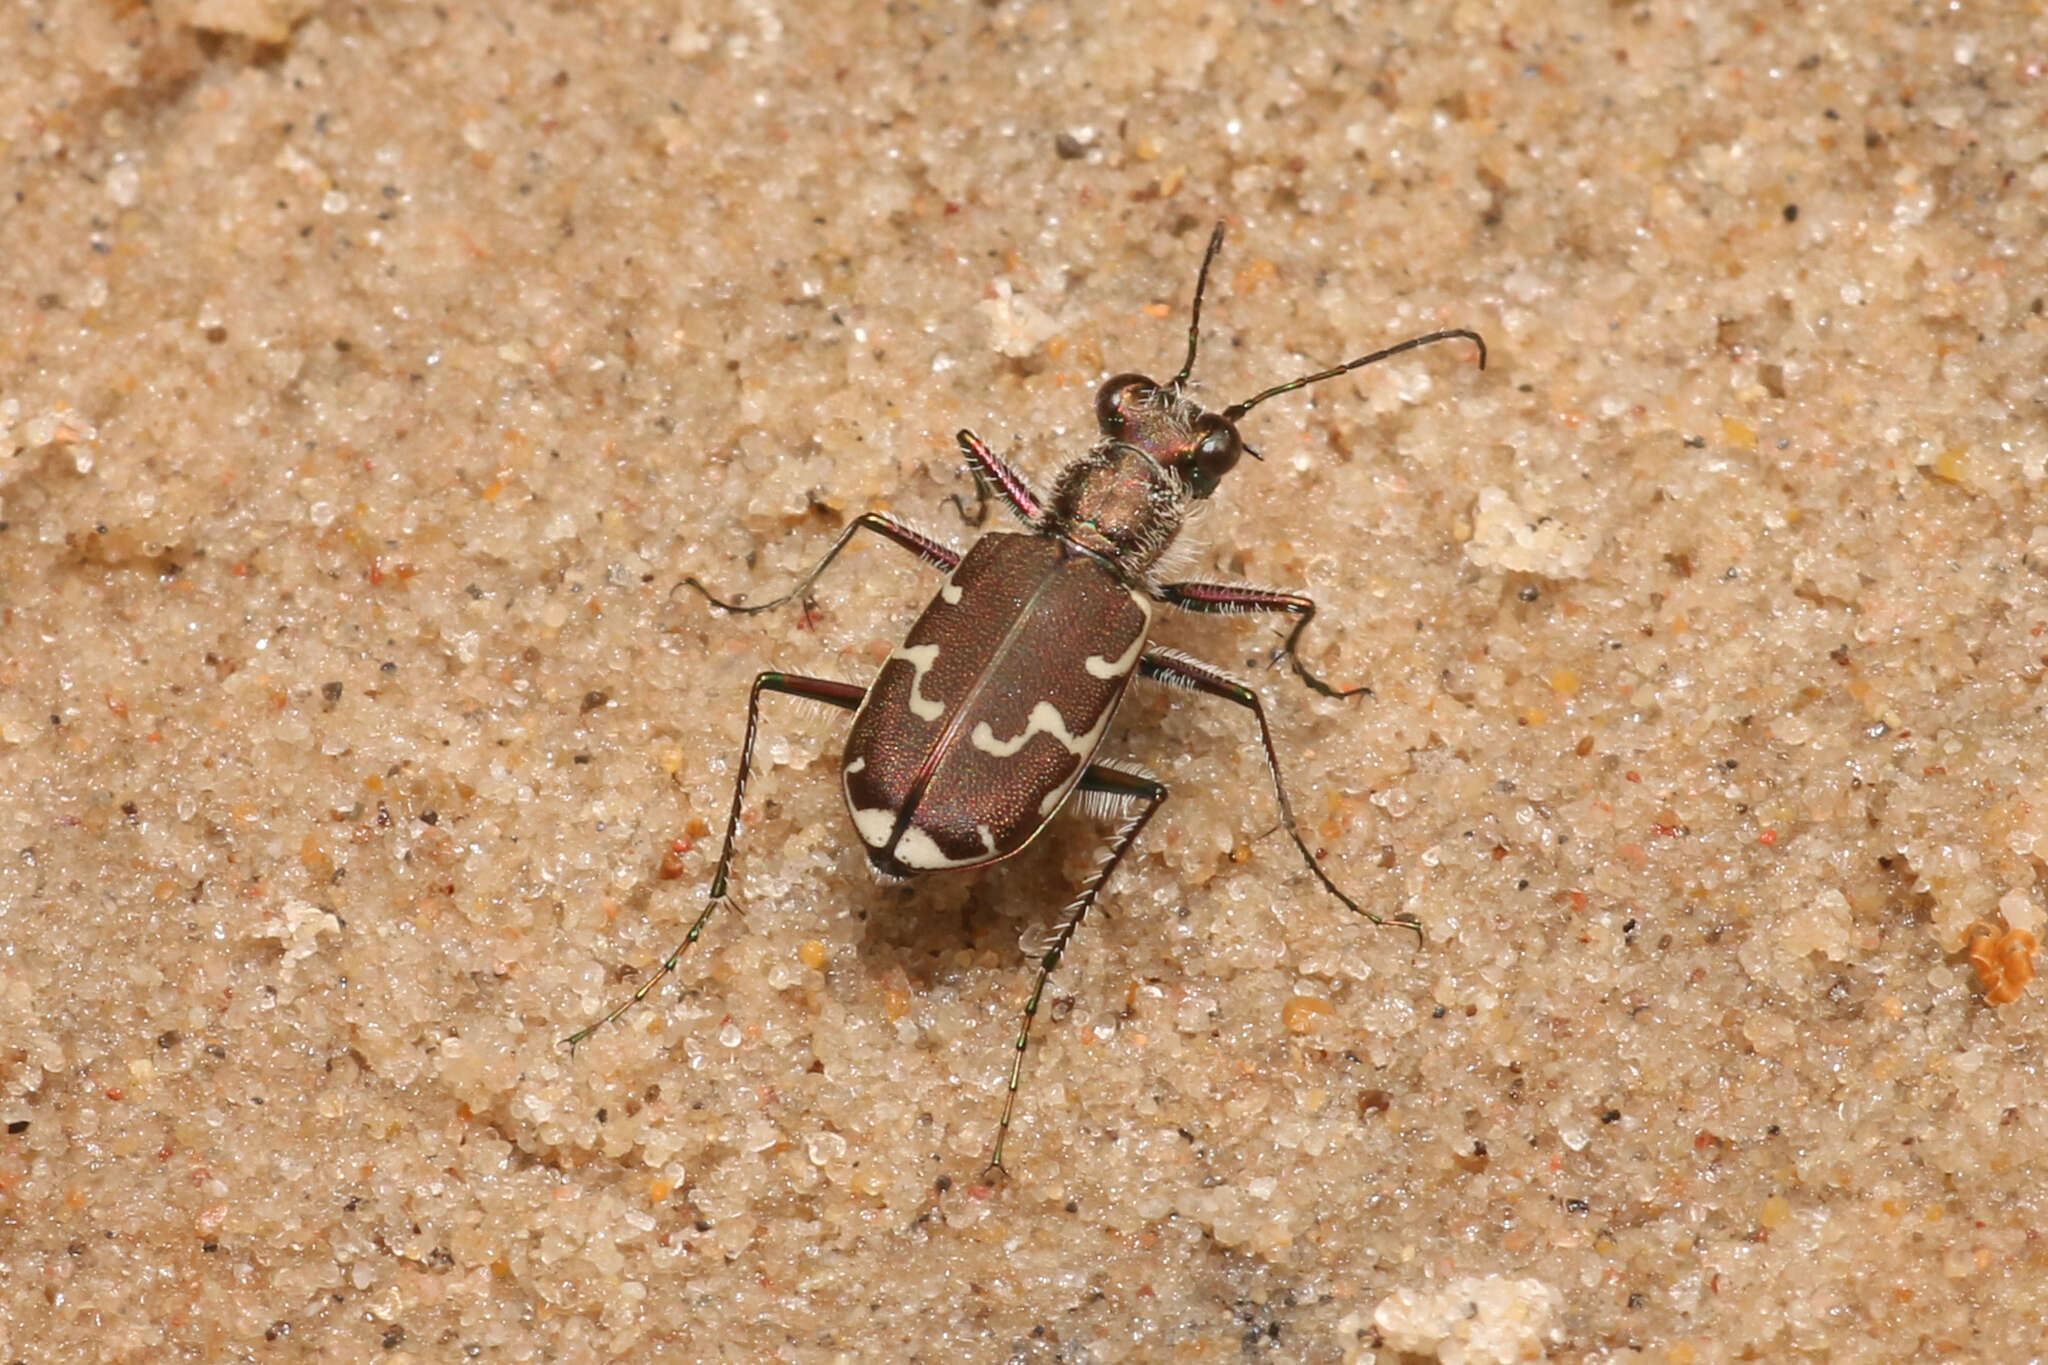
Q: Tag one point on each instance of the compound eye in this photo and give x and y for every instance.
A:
(1217, 449)
(1120, 400)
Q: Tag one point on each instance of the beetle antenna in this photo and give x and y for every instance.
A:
(1195, 315)
(1237, 410)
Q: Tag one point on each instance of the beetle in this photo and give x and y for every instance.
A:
(986, 721)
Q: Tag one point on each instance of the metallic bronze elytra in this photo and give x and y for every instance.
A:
(986, 721)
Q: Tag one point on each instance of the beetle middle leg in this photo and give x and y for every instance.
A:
(1114, 786)
(1229, 598)
(846, 696)
(931, 551)
(1178, 670)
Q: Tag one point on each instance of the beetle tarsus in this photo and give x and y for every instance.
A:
(720, 602)
(978, 518)
(1315, 683)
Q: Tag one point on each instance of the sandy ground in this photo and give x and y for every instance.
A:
(372, 375)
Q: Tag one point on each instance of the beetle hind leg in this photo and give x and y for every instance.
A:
(1114, 787)
(844, 696)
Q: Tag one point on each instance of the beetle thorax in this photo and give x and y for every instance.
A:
(1117, 502)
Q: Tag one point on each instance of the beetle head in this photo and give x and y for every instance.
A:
(1196, 445)
(1126, 498)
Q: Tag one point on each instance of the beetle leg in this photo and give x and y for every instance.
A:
(1225, 598)
(991, 469)
(1178, 670)
(932, 552)
(1114, 784)
(846, 696)
(978, 518)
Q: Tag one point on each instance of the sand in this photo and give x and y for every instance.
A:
(372, 376)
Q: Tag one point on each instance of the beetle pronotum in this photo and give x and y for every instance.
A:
(985, 722)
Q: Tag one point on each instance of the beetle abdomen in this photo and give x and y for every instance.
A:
(983, 721)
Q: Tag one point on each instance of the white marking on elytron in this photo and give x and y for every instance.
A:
(950, 594)
(1058, 794)
(875, 826)
(1099, 667)
(919, 850)
(921, 658)
(1045, 719)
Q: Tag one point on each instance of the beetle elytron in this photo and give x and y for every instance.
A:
(986, 721)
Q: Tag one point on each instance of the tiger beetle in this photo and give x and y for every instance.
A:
(985, 722)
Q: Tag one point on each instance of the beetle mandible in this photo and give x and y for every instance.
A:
(985, 722)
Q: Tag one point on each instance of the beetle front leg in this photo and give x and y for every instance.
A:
(847, 697)
(1106, 783)
(1178, 670)
(1227, 598)
(932, 552)
(992, 471)
(978, 518)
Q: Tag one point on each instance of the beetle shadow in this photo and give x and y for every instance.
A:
(979, 929)
(922, 925)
